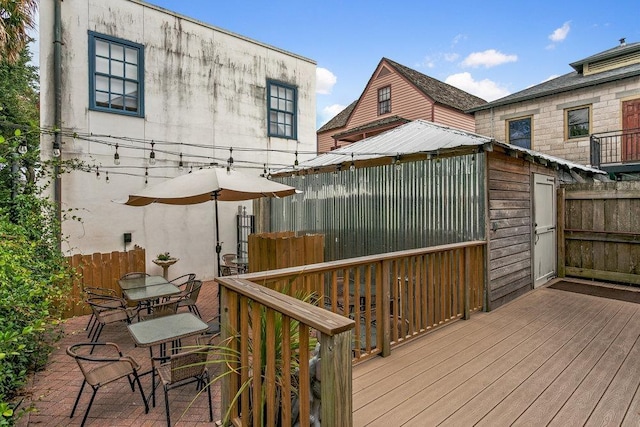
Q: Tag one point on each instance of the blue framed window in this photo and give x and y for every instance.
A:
(116, 75)
(282, 107)
(519, 132)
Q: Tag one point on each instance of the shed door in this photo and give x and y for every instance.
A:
(544, 228)
(630, 126)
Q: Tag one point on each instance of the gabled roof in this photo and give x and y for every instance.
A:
(340, 120)
(421, 136)
(574, 80)
(440, 92)
(620, 50)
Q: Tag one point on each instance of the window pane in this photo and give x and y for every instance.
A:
(102, 99)
(131, 104)
(131, 88)
(289, 106)
(117, 86)
(578, 116)
(131, 55)
(520, 133)
(102, 65)
(117, 68)
(116, 101)
(117, 52)
(289, 94)
(102, 83)
(102, 48)
(131, 71)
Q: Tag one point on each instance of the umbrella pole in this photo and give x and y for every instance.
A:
(218, 247)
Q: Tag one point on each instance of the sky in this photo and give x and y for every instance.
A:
(490, 49)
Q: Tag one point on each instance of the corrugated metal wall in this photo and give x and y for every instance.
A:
(388, 208)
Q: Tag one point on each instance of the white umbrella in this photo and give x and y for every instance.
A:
(209, 184)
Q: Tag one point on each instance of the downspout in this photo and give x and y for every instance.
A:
(57, 88)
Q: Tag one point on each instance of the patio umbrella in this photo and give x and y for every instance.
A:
(209, 184)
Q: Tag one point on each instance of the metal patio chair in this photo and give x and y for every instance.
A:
(103, 368)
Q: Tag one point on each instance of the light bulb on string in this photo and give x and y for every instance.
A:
(22, 148)
(97, 173)
(352, 167)
(397, 162)
(106, 177)
(56, 149)
(295, 163)
(230, 160)
(180, 163)
(116, 156)
(152, 155)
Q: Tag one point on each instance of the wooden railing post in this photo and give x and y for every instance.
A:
(337, 403)
(467, 278)
(561, 243)
(386, 314)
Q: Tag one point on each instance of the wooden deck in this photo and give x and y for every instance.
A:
(550, 357)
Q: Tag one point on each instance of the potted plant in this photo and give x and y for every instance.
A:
(165, 256)
(165, 260)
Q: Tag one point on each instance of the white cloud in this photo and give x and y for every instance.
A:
(457, 39)
(561, 33)
(489, 58)
(329, 112)
(325, 80)
(450, 57)
(485, 89)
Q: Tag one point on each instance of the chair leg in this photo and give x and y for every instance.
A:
(166, 405)
(208, 386)
(144, 398)
(86, 414)
(73, 411)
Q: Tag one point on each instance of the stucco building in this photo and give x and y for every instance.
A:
(589, 116)
(140, 94)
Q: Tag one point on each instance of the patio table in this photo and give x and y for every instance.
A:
(162, 330)
(149, 293)
(141, 282)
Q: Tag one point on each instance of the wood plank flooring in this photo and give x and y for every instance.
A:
(550, 357)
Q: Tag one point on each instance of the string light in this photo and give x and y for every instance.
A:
(180, 164)
(106, 177)
(295, 163)
(230, 160)
(146, 176)
(152, 155)
(397, 162)
(97, 173)
(353, 164)
(56, 149)
(116, 157)
(22, 148)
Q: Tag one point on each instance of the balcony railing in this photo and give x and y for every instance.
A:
(615, 148)
(363, 307)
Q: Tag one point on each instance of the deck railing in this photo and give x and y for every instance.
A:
(615, 147)
(386, 299)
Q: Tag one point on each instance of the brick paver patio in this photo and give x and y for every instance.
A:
(52, 391)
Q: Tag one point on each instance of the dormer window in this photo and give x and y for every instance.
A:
(384, 100)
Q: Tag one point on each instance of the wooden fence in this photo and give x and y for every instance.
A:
(599, 231)
(271, 251)
(101, 270)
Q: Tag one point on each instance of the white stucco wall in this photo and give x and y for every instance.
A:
(548, 117)
(203, 86)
